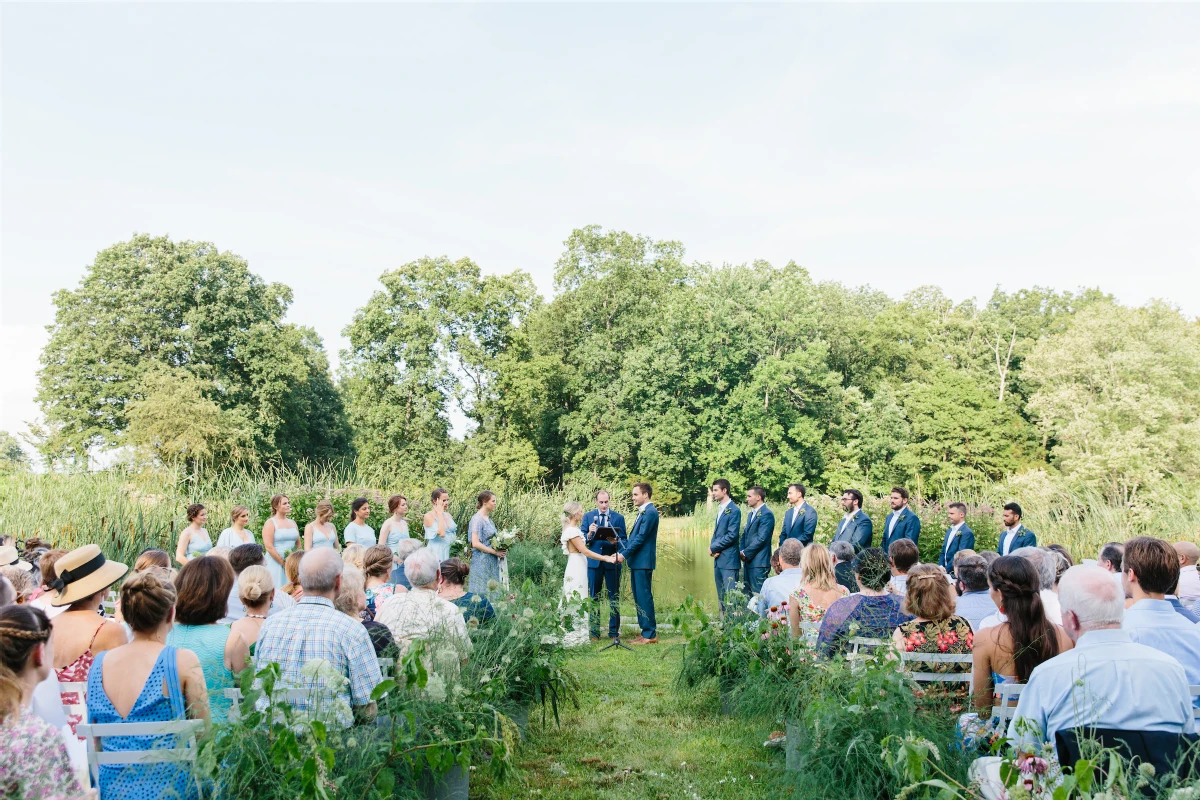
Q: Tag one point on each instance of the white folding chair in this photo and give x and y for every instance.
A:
(861, 646)
(292, 696)
(939, 658)
(1195, 692)
(809, 631)
(184, 731)
(385, 665)
(1004, 704)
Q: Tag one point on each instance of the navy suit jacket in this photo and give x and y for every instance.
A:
(908, 526)
(641, 547)
(964, 541)
(1024, 538)
(858, 531)
(756, 539)
(799, 526)
(725, 537)
(603, 548)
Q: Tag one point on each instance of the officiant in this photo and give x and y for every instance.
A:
(601, 575)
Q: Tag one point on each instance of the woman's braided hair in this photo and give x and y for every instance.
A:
(22, 628)
(1034, 638)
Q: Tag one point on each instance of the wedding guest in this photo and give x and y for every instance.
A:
(420, 613)
(818, 589)
(7, 593)
(473, 606)
(10, 557)
(292, 587)
(395, 527)
(1046, 568)
(82, 577)
(934, 627)
(255, 591)
(873, 612)
(439, 526)
(1151, 569)
(903, 556)
(1189, 579)
(46, 571)
(377, 566)
(193, 539)
(1110, 557)
(327, 634)
(843, 564)
(776, 564)
(357, 530)
(404, 549)
(1009, 651)
(351, 600)
(975, 599)
(1062, 561)
(202, 592)
(33, 756)
(353, 555)
(21, 581)
(321, 532)
(485, 559)
(961, 556)
(149, 559)
(778, 588)
(118, 683)
(243, 557)
(219, 552)
(236, 534)
(280, 537)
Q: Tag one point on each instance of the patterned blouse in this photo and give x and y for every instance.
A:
(33, 760)
(810, 611)
(871, 616)
(951, 635)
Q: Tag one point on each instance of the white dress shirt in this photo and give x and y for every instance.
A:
(895, 519)
(954, 529)
(1007, 538)
(1189, 585)
(420, 614)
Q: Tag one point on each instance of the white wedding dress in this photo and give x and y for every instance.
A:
(575, 589)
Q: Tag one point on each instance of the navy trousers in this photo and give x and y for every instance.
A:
(610, 581)
(755, 576)
(726, 579)
(643, 598)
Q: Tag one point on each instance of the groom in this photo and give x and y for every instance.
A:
(640, 550)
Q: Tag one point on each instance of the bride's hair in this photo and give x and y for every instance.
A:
(571, 512)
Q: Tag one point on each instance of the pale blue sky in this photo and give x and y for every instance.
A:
(957, 145)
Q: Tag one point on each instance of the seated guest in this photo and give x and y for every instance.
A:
(352, 554)
(1108, 680)
(474, 606)
(975, 600)
(46, 570)
(256, 590)
(241, 557)
(291, 569)
(219, 552)
(1046, 568)
(22, 583)
(902, 557)
(776, 564)
(151, 558)
(1189, 578)
(873, 611)
(7, 593)
(959, 557)
(202, 589)
(1179, 607)
(146, 681)
(1110, 558)
(352, 600)
(403, 549)
(776, 589)
(377, 568)
(934, 627)
(419, 613)
(1064, 552)
(1151, 569)
(315, 629)
(843, 564)
(818, 588)
(33, 757)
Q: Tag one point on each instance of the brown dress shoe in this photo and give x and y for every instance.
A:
(644, 640)
(638, 640)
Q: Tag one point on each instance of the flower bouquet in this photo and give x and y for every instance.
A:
(503, 540)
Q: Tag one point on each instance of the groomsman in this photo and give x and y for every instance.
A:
(1014, 534)
(724, 545)
(902, 523)
(641, 551)
(855, 527)
(602, 575)
(800, 520)
(959, 537)
(756, 539)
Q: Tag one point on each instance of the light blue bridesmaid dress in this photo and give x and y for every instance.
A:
(285, 542)
(322, 539)
(441, 544)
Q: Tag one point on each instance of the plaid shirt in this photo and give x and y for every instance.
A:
(312, 630)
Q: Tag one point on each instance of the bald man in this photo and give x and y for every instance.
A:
(1189, 580)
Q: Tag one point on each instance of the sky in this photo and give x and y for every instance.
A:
(963, 146)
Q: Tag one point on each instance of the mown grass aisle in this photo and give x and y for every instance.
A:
(633, 736)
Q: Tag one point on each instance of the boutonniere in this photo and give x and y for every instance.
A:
(726, 511)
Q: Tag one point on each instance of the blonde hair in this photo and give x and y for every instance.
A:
(237, 512)
(291, 568)
(22, 582)
(353, 585)
(255, 586)
(324, 511)
(146, 600)
(219, 552)
(572, 511)
(353, 554)
(816, 567)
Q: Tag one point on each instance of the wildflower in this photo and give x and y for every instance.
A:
(435, 687)
(1146, 769)
(1032, 765)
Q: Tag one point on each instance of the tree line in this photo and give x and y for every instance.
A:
(642, 366)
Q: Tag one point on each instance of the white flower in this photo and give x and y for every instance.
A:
(435, 687)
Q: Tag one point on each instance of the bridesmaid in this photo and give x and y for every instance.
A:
(321, 532)
(357, 530)
(439, 526)
(485, 560)
(395, 527)
(279, 537)
(236, 534)
(193, 540)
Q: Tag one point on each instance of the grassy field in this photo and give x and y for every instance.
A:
(634, 736)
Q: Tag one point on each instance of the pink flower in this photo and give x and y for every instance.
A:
(1032, 764)
(766, 636)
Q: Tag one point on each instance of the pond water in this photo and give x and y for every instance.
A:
(684, 567)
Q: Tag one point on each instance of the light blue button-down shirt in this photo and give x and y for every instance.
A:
(1107, 681)
(1156, 623)
(974, 606)
(779, 587)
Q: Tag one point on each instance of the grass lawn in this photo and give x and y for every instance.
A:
(633, 736)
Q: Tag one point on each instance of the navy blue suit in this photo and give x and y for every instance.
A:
(641, 551)
(1023, 538)
(802, 526)
(602, 575)
(857, 531)
(965, 540)
(908, 526)
(756, 546)
(724, 543)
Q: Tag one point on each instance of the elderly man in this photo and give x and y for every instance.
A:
(314, 630)
(778, 588)
(240, 557)
(975, 600)
(843, 565)
(1151, 569)
(420, 613)
(1189, 579)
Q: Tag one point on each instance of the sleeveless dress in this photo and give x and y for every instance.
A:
(575, 585)
(197, 545)
(143, 781)
(285, 542)
(441, 544)
(321, 538)
(951, 635)
(208, 643)
(396, 533)
(485, 567)
(229, 538)
(358, 534)
(77, 672)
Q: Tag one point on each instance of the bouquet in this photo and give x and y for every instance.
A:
(504, 540)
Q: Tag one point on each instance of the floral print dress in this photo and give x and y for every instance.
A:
(33, 760)
(809, 611)
(951, 635)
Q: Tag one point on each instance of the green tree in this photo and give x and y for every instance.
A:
(13, 457)
(171, 420)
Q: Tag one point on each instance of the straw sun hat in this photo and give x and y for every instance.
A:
(9, 557)
(83, 572)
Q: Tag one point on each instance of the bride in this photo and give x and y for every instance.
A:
(575, 581)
